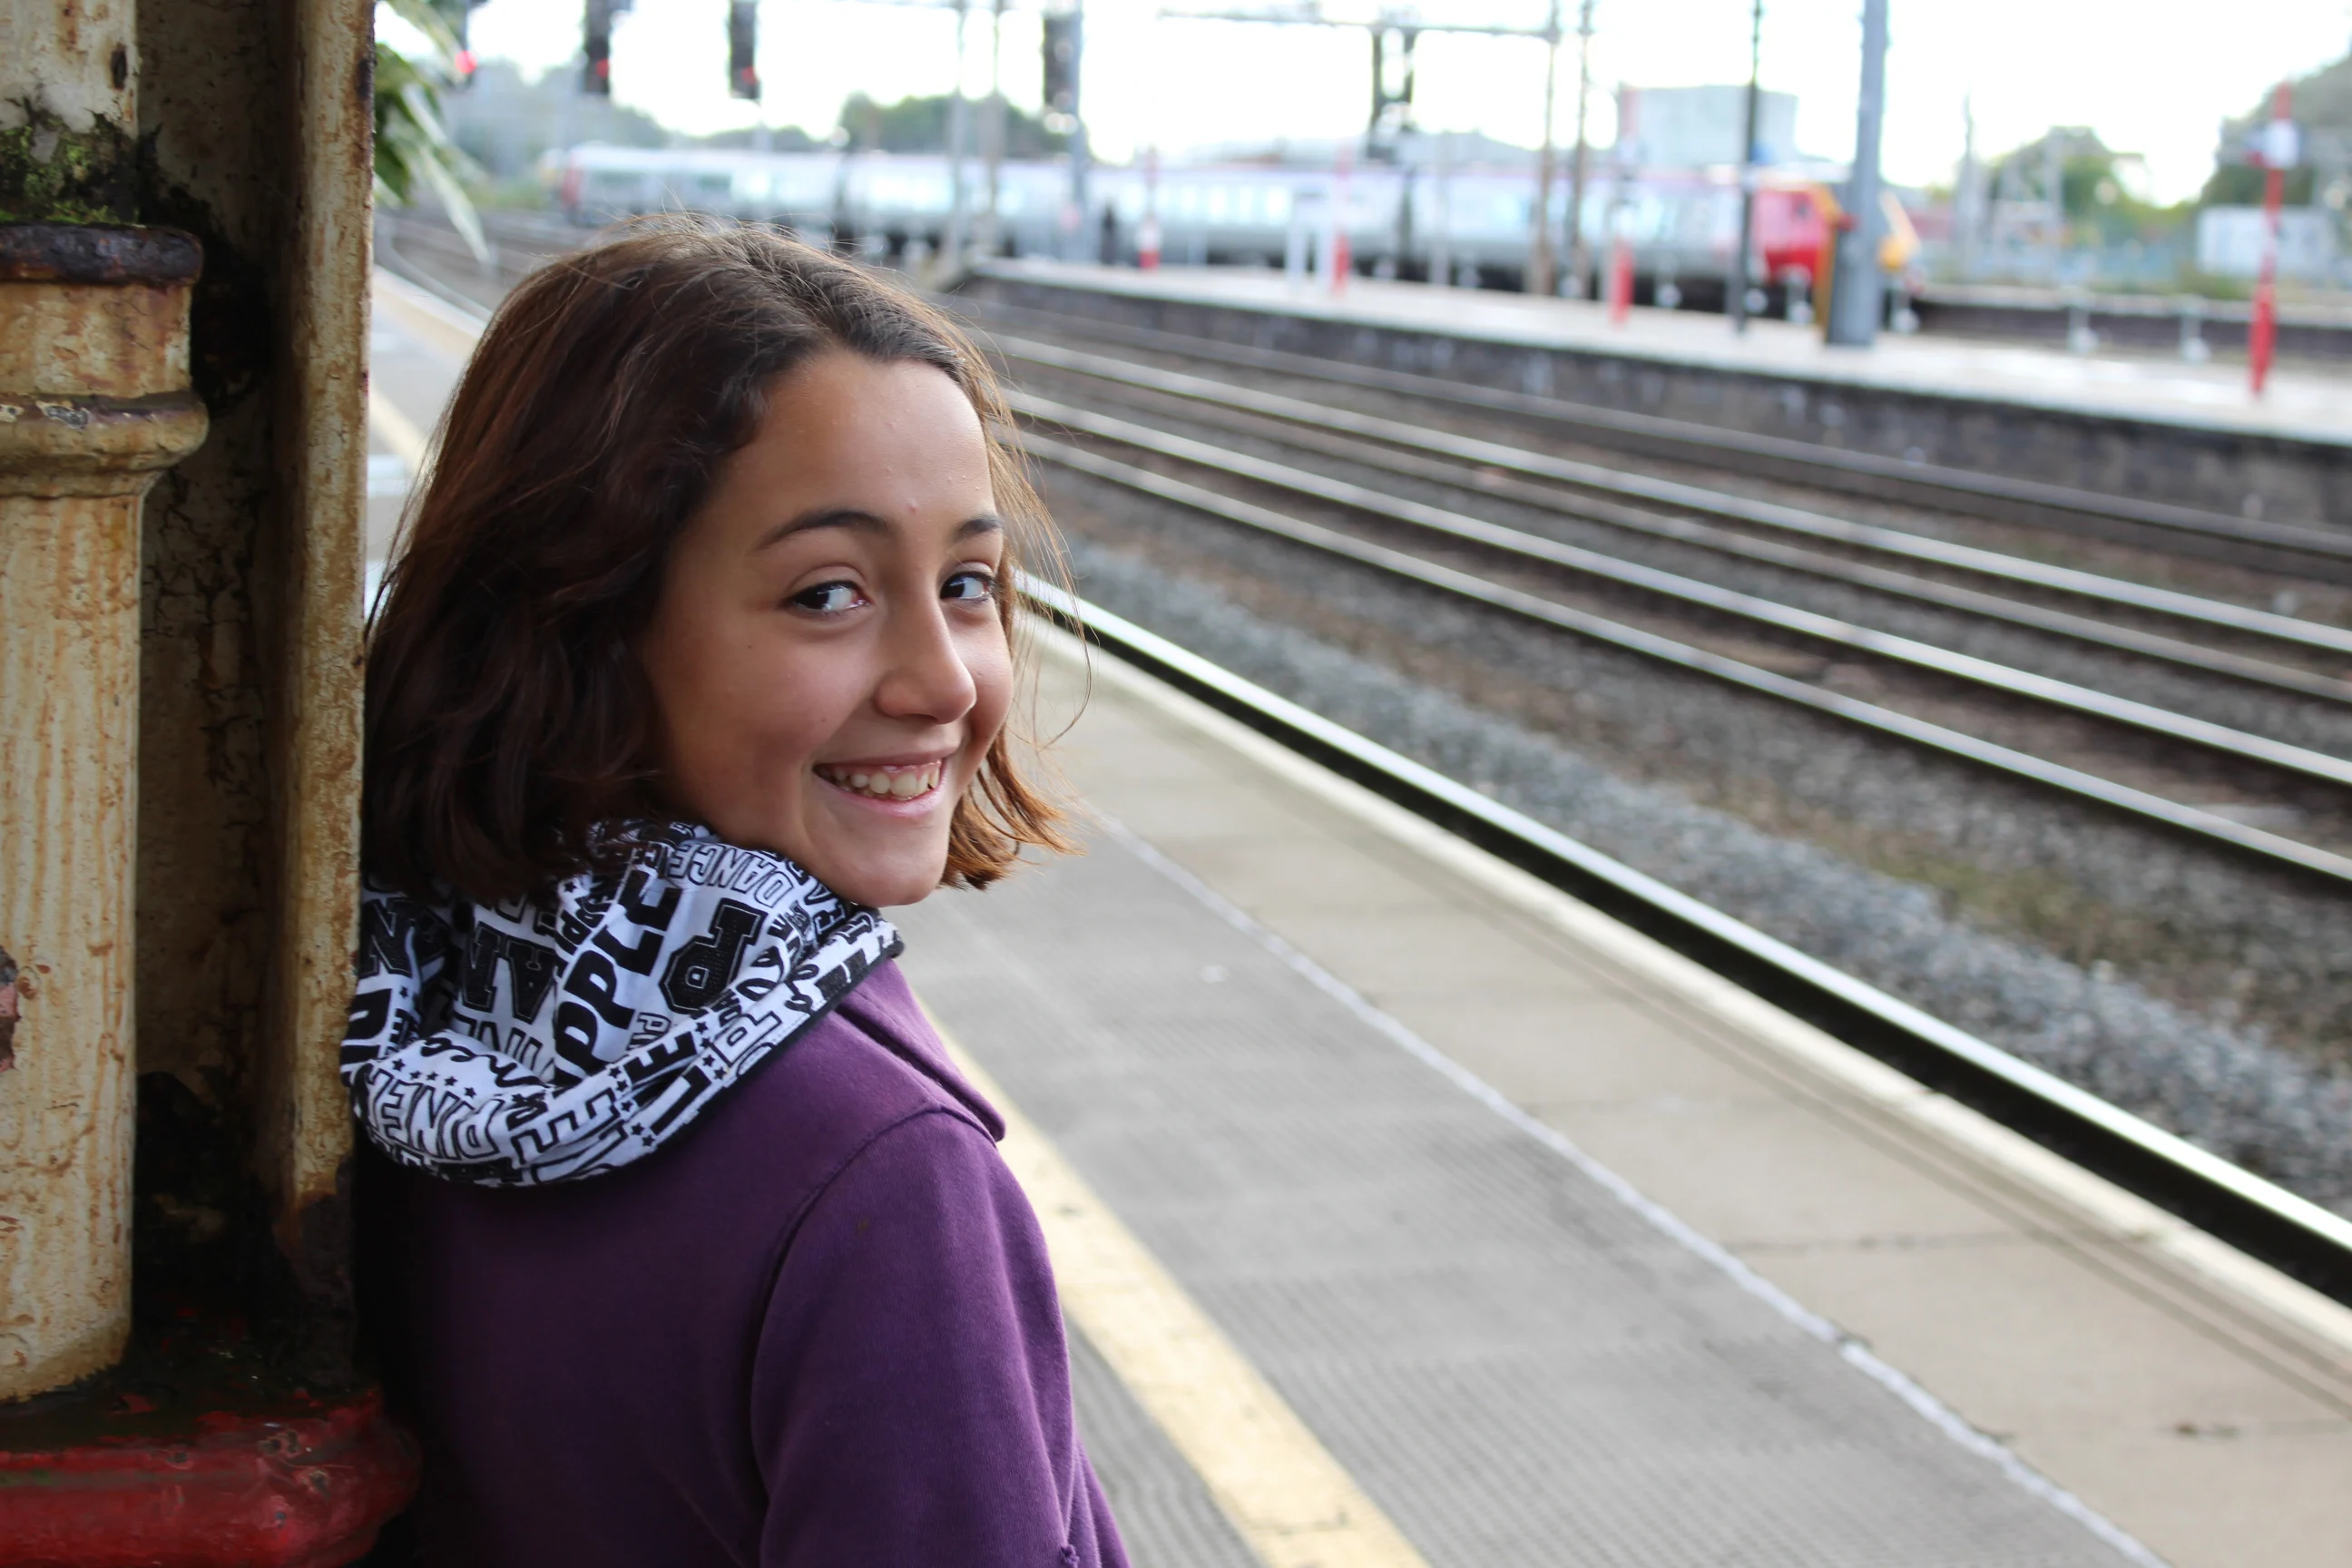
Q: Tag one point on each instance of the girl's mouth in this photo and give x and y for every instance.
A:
(884, 781)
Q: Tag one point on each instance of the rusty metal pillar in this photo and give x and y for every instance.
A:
(179, 724)
(94, 402)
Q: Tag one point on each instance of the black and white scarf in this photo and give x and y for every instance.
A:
(551, 1039)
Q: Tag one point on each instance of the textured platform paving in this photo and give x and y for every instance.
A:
(2305, 404)
(1213, 1015)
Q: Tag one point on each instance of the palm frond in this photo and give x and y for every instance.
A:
(412, 144)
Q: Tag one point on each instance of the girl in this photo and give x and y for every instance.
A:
(685, 1242)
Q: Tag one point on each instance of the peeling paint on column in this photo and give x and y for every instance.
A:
(7, 1011)
(93, 376)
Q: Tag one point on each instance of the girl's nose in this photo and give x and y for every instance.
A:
(924, 675)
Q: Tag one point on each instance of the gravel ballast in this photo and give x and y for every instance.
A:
(2226, 1088)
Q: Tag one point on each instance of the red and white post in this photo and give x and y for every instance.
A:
(2279, 151)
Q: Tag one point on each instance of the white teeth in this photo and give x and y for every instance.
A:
(889, 785)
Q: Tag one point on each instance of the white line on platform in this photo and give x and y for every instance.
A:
(1849, 1348)
(1330, 787)
(1290, 1499)
(2234, 1274)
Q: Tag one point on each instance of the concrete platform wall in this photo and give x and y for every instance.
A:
(2278, 478)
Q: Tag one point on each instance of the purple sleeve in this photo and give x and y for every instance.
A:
(911, 1389)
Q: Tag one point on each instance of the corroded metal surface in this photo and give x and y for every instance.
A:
(7, 1011)
(322, 407)
(322, 416)
(71, 61)
(93, 403)
(96, 253)
(306, 1487)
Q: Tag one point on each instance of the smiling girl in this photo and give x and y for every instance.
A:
(684, 1241)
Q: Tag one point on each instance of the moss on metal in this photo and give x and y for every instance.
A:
(51, 174)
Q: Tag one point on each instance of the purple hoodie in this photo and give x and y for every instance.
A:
(818, 1328)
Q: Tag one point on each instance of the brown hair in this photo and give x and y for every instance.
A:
(510, 730)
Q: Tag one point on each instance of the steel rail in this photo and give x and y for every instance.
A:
(2235, 745)
(2310, 636)
(2271, 848)
(2103, 636)
(2317, 550)
(2226, 1201)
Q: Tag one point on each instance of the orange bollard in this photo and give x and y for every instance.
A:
(1621, 281)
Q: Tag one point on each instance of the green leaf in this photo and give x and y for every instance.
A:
(412, 145)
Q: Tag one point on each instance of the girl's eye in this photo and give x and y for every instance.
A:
(828, 598)
(968, 586)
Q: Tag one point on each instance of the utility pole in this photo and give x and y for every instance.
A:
(1579, 256)
(1855, 287)
(991, 229)
(1735, 286)
(1971, 201)
(1064, 55)
(959, 149)
(1543, 278)
(2053, 191)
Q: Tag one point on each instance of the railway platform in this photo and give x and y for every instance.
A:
(1409, 1211)
(2299, 402)
(1562, 1249)
(2166, 432)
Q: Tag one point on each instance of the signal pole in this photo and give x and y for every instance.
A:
(959, 149)
(1543, 278)
(1579, 256)
(1735, 286)
(1854, 287)
(994, 131)
(1408, 22)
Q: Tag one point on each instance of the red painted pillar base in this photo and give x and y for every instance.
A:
(108, 1480)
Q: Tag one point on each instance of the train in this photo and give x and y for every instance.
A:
(1399, 219)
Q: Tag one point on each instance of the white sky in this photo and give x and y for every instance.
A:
(2151, 76)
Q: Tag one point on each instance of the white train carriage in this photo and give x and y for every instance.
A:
(1400, 220)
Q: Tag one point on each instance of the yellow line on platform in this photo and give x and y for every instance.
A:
(397, 430)
(1290, 1499)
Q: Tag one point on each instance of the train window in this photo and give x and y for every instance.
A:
(1277, 204)
(1221, 204)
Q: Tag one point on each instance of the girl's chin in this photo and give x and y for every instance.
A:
(904, 867)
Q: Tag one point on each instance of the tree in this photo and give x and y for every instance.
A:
(920, 125)
(2322, 107)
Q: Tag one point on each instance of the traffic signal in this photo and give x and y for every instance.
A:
(596, 67)
(743, 48)
(1062, 30)
(461, 69)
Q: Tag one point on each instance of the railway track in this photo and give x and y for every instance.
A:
(2040, 772)
(1890, 560)
(2295, 550)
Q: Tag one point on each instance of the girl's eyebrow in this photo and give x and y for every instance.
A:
(826, 517)
(851, 517)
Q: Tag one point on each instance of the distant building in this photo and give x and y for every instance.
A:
(1698, 127)
(2230, 243)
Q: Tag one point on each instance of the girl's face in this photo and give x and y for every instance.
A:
(827, 657)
